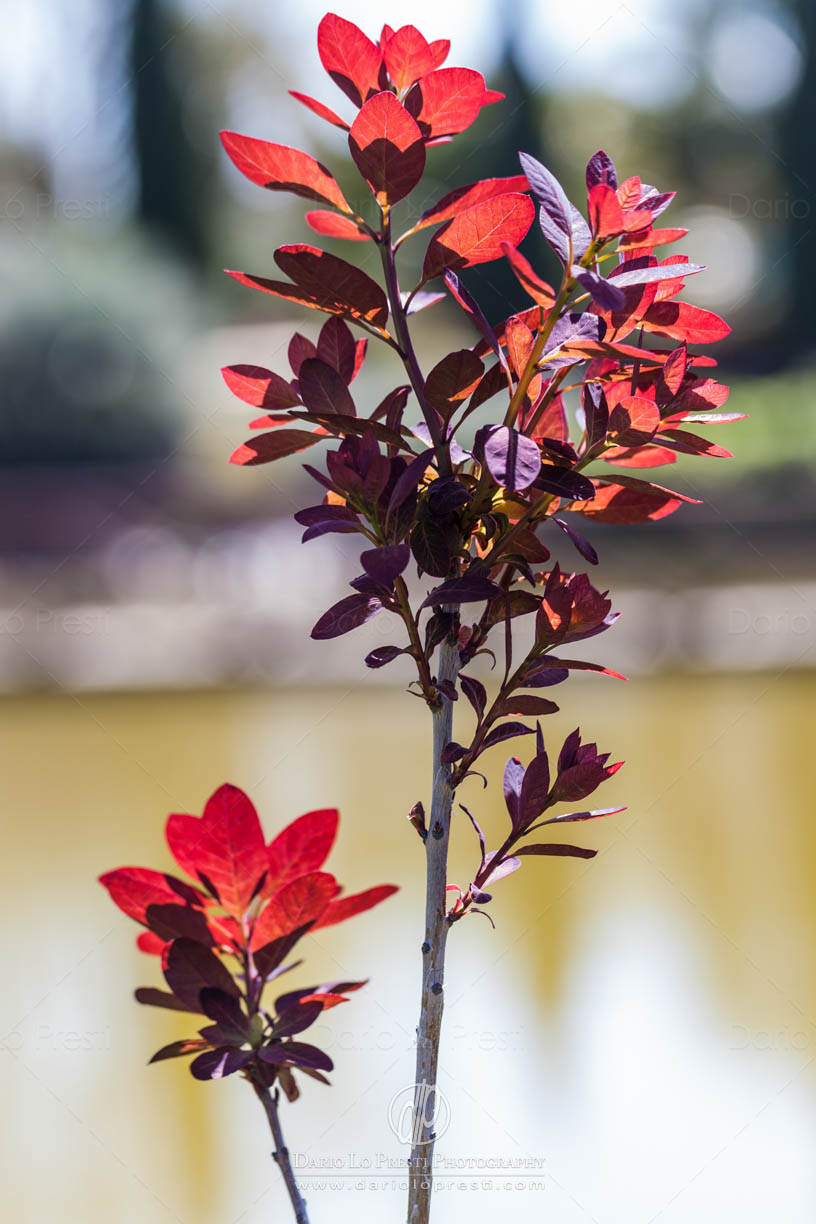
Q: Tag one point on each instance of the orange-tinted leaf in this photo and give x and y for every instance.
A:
(348, 907)
(465, 197)
(301, 901)
(692, 444)
(629, 192)
(528, 278)
(259, 387)
(283, 169)
(633, 420)
(476, 235)
(278, 445)
(387, 148)
(645, 457)
(320, 108)
(408, 56)
(682, 321)
(351, 59)
(614, 504)
(302, 847)
(334, 226)
(520, 342)
(453, 379)
(332, 282)
(226, 845)
(446, 101)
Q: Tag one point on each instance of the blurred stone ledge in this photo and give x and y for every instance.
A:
(205, 644)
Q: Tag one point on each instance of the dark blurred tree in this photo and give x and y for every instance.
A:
(172, 187)
(797, 123)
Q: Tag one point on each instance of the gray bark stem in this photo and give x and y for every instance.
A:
(281, 1153)
(420, 1174)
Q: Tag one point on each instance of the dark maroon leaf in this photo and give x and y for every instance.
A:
(564, 483)
(535, 788)
(269, 957)
(607, 295)
(469, 589)
(216, 1064)
(451, 753)
(601, 169)
(177, 921)
(382, 655)
(526, 705)
(323, 389)
(513, 779)
(346, 615)
(434, 546)
(225, 1010)
(179, 1049)
(581, 543)
(409, 480)
(475, 692)
(298, 1053)
(505, 731)
(386, 564)
(558, 849)
(151, 997)
(191, 967)
(468, 303)
(296, 1018)
(337, 347)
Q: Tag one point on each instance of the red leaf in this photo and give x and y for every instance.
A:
(408, 56)
(351, 59)
(682, 321)
(644, 240)
(387, 148)
(446, 101)
(520, 343)
(259, 387)
(528, 278)
(302, 847)
(334, 226)
(150, 943)
(337, 286)
(134, 888)
(270, 446)
(280, 168)
(461, 198)
(692, 444)
(476, 235)
(605, 212)
(320, 108)
(440, 48)
(301, 901)
(226, 845)
(348, 907)
(646, 457)
(614, 504)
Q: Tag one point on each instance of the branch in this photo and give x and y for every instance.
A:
(281, 1153)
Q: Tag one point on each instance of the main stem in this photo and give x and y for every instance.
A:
(420, 1173)
(281, 1153)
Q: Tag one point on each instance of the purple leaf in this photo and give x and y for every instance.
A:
(564, 483)
(386, 564)
(216, 1064)
(559, 849)
(346, 615)
(504, 731)
(535, 789)
(151, 997)
(268, 958)
(381, 655)
(573, 816)
(468, 303)
(543, 675)
(422, 300)
(298, 1053)
(601, 169)
(513, 780)
(581, 543)
(475, 692)
(469, 589)
(602, 291)
(323, 389)
(178, 921)
(555, 214)
(296, 1018)
(409, 480)
(190, 967)
(451, 753)
(513, 459)
(596, 413)
(225, 1010)
(320, 520)
(645, 276)
(478, 829)
(505, 868)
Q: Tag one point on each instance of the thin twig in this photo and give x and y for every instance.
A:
(280, 1155)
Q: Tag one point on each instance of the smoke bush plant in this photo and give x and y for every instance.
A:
(596, 381)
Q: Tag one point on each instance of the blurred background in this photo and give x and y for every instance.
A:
(635, 1042)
